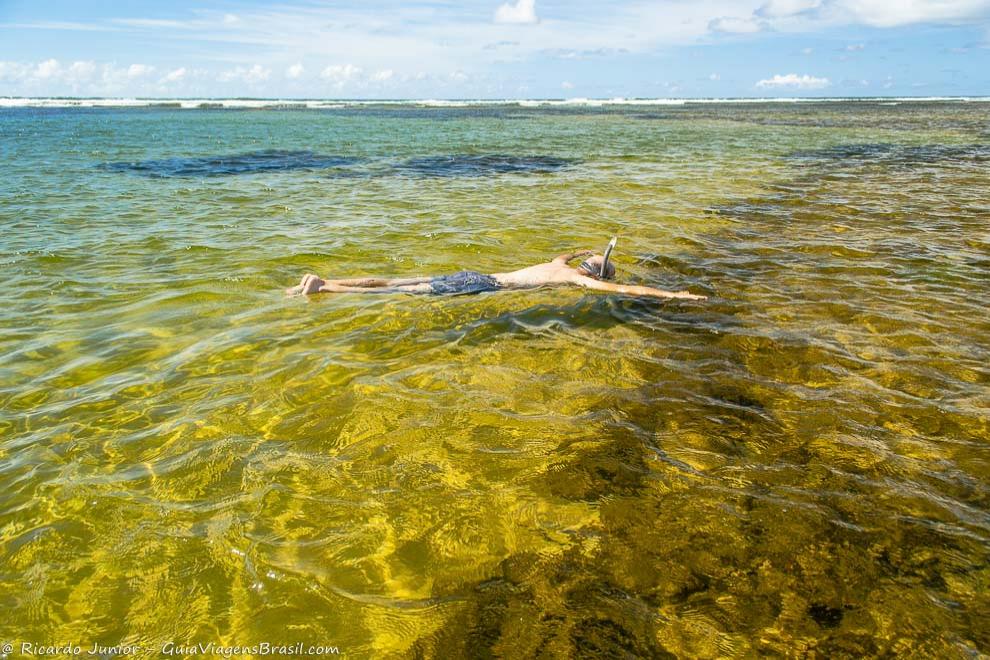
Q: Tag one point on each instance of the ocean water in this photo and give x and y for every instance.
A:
(798, 466)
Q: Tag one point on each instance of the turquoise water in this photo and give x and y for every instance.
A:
(799, 465)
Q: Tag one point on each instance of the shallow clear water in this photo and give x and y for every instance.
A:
(799, 464)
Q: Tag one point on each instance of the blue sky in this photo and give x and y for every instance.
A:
(495, 49)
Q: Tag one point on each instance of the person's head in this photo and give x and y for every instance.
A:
(592, 267)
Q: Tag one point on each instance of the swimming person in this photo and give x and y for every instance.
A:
(591, 274)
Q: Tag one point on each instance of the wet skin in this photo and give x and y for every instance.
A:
(551, 273)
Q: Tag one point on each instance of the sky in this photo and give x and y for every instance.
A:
(481, 49)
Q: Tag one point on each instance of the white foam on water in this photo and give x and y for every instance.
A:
(331, 104)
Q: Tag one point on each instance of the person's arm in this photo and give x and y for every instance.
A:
(632, 289)
(564, 258)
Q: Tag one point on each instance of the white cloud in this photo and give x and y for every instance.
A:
(139, 70)
(383, 75)
(807, 51)
(251, 76)
(586, 54)
(735, 25)
(47, 69)
(890, 13)
(567, 85)
(341, 73)
(794, 81)
(175, 76)
(875, 13)
(295, 71)
(114, 80)
(80, 71)
(231, 19)
(524, 11)
(87, 78)
(855, 47)
(714, 76)
(778, 8)
(257, 73)
(13, 71)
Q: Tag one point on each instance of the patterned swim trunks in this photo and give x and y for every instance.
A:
(462, 283)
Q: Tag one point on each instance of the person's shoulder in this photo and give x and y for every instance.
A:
(568, 274)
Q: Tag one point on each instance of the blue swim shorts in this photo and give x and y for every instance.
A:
(464, 282)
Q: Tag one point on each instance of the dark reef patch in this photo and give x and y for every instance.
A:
(268, 160)
(825, 616)
(470, 165)
(276, 160)
(896, 154)
(545, 607)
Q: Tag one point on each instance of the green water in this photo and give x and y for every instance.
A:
(799, 466)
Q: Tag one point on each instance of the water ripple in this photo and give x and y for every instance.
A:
(800, 462)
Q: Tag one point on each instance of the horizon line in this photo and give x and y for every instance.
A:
(552, 99)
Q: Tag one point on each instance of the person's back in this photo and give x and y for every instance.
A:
(552, 272)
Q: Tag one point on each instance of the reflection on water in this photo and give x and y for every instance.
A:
(799, 465)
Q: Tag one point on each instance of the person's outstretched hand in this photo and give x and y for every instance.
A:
(685, 295)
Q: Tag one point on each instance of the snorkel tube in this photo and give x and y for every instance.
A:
(603, 272)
